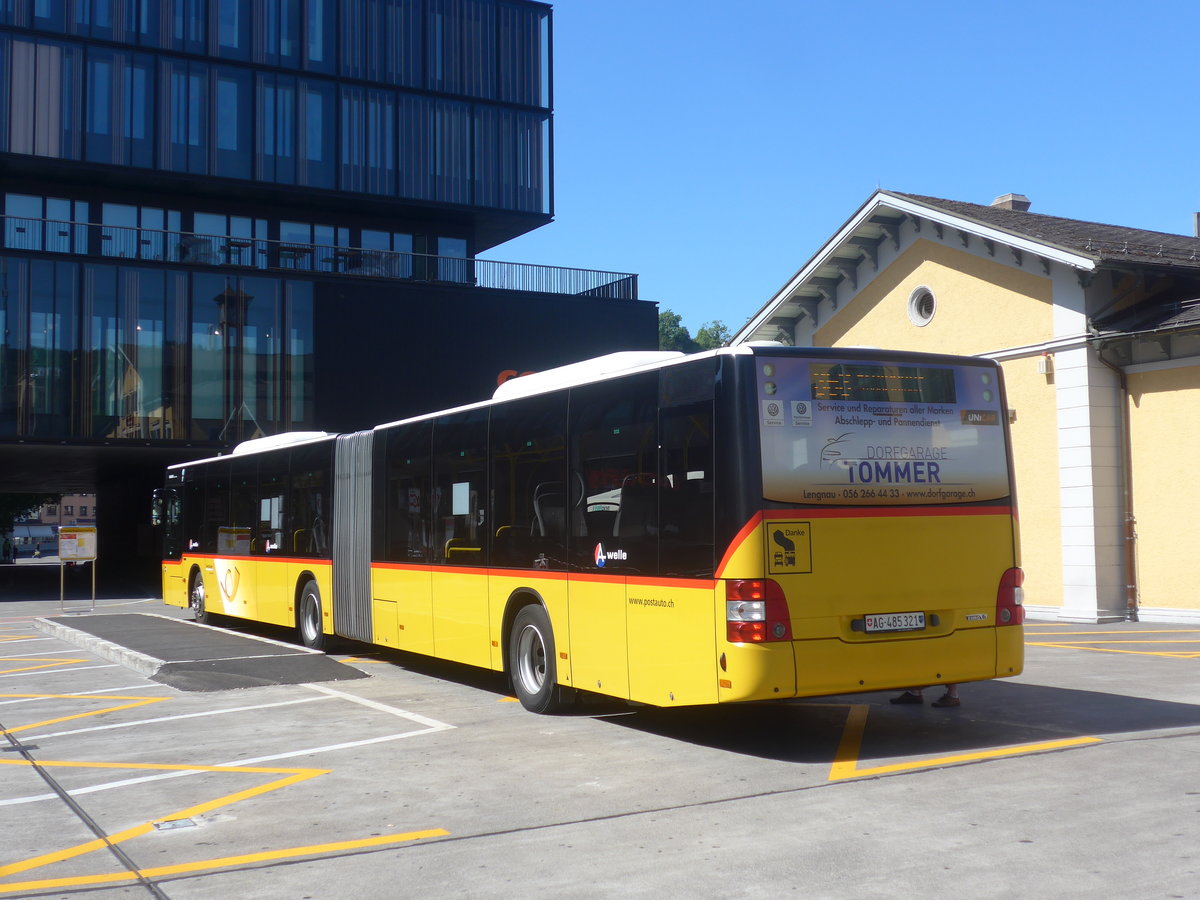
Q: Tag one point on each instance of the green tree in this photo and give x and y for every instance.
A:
(13, 506)
(712, 335)
(673, 334)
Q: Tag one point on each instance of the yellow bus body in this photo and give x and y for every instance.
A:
(249, 587)
(662, 641)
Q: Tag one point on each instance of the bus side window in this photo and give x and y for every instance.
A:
(529, 487)
(407, 494)
(271, 538)
(614, 451)
(215, 514)
(686, 490)
(307, 509)
(460, 494)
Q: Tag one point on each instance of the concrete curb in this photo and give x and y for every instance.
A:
(130, 659)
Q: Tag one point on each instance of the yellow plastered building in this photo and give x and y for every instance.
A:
(1097, 328)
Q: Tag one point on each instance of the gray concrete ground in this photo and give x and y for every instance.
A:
(1080, 778)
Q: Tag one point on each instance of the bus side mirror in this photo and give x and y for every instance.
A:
(157, 503)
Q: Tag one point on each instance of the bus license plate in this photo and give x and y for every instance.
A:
(906, 621)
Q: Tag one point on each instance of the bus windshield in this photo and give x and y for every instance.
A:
(863, 433)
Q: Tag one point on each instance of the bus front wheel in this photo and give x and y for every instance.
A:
(196, 604)
(308, 617)
(531, 662)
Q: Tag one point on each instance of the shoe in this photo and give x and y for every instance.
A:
(945, 701)
(908, 697)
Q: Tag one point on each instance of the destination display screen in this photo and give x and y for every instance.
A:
(863, 381)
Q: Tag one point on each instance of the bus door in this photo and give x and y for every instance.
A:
(460, 581)
(236, 575)
(671, 618)
(613, 522)
(166, 516)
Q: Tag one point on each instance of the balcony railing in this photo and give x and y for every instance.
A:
(185, 248)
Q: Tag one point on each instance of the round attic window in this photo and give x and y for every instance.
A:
(921, 307)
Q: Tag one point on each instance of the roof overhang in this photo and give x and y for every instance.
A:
(879, 220)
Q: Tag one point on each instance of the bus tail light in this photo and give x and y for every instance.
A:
(1010, 598)
(756, 612)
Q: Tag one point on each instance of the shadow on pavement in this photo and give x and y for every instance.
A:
(41, 582)
(994, 714)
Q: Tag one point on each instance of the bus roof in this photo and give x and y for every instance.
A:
(263, 444)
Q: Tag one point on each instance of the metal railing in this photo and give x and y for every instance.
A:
(122, 242)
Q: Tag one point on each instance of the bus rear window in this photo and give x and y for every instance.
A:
(860, 433)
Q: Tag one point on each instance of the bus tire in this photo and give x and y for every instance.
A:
(308, 617)
(196, 602)
(531, 662)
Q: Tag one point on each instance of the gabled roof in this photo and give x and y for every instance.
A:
(1107, 243)
(1082, 245)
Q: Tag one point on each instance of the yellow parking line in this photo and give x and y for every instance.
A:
(845, 764)
(49, 663)
(1085, 643)
(227, 861)
(139, 701)
(291, 776)
(1107, 633)
(1085, 646)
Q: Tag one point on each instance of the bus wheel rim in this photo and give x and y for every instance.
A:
(311, 619)
(531, 659)
(196, 598)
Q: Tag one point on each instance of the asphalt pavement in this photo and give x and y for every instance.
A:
(1079, 778)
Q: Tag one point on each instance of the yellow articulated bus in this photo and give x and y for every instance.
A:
(748, 523)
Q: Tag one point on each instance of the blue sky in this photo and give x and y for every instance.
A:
(712, 147)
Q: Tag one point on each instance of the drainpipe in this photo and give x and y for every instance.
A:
(1130, 542)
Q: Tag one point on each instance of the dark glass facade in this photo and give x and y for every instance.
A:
(103, 352)
(445, 101)
(222, 219)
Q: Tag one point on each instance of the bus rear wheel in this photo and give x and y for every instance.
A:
(308, 617)
(531, 662)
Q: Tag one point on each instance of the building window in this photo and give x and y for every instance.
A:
(232, 123)
(118, 117)
(317, 132)
(30, 225)
(68, 510)
(275, 152)
(183, 96)
(277, 39)
(231, 28)
(388, 253)
(139, 232)
(83, 510)
(42, 97)
(921, 307)
(368, 141)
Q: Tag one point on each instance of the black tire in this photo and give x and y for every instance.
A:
(196, 600)
(532, 662)
(308, 617)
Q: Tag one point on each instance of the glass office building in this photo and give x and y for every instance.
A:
(222, 217)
